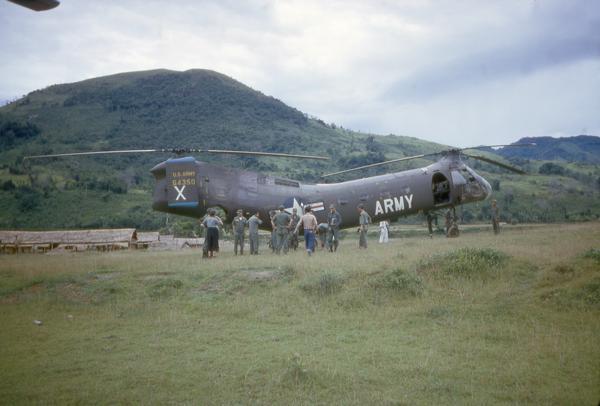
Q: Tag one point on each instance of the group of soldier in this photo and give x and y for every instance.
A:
(287, 226)
(285, 229)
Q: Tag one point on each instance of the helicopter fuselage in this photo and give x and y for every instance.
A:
(188, 187)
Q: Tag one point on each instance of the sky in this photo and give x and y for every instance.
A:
(458, 72)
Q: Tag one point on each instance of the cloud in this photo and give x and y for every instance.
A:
(445, 71)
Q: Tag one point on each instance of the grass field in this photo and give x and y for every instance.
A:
(481, 319)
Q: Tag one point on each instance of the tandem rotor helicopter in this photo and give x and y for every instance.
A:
(188, 187)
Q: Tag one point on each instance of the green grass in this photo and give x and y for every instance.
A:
(354, 327)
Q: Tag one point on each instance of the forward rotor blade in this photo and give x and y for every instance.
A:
(125, 151)
(525, 144)
(500, 164)
(273, 154)
(181, 151)
(379, 164)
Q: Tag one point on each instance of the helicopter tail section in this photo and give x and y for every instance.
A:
(182, 183)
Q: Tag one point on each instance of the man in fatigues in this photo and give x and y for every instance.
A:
(334, 220)
(322, 231)
(364, 219)
(293, 233)
(281, 224)
(238, 225)
(272, 241)
(253, 224)
(495, 217)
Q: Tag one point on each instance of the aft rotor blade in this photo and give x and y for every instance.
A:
(273, 154)
(378, 164)
(125, 151)
(500, 164)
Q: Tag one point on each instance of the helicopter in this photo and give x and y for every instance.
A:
(188, 187)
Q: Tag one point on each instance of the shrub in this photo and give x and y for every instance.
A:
(466, 261)
(400, 281)
(592, 253)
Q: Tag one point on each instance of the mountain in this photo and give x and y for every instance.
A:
(155, 109)
(582, 148)
(205, 109)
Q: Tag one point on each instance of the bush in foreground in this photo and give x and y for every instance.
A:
(466, 261)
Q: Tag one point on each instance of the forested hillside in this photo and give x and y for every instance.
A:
(205, 109)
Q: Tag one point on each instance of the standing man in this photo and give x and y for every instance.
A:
(294, 234)
(253, 224)
(334, 220)
(238, 225)
(281, 224)
(322, 231)
(363, 219)
(495, 217)
(272, 241)
(309, 224)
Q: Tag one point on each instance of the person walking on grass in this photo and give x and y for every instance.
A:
(211, 223)
(308, 221)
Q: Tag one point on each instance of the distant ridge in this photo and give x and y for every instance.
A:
(581, 148)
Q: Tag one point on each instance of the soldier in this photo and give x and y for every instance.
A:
(322, 231)
(364, 219)
(253, 224)
(272, 241)
(495, 217)
(238, 225)
(294, 234)
(281, 224)
(309, 222)
(430, 219)
(334, 220)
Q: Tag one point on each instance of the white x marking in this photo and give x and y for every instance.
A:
(180, 193)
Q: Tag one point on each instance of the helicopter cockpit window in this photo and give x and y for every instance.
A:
(458, 179)
(468, 174)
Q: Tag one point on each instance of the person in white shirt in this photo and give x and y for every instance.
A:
(384, 228)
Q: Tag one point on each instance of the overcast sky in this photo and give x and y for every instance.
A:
(450, 71)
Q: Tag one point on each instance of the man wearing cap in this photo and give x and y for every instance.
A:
(238, 225)
(281, 223)
(334, 220)
(364, 219)
(253, 224)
